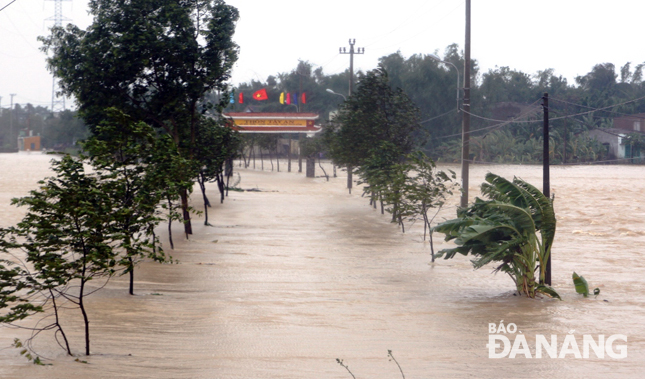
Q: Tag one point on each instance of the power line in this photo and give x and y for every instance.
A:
(3, 8)
(436, 117)
(599, 109)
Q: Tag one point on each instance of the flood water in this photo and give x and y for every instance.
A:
(300, 273)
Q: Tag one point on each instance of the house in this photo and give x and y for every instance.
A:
(631, 123)
(613, 139)
(28, 142)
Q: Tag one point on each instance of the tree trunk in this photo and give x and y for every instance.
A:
(229, 172)
(85, 319)
(131, 263)
(172, 245)
(57, 323)
(202, 186)
(289, 155)
(277, 156)
(311, 167)
(188, 229)
(323, 170)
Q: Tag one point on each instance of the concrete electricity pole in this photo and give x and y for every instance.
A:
(351, 52)
(11, 117)
(465, 127)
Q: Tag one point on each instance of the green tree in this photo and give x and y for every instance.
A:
(424, 188)
(67, 241)
(153, 60)
(374, 113)
(122, 158)
(216, 144)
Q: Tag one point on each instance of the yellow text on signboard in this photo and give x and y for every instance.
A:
(267, 122)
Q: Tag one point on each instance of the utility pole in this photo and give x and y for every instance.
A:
(299, 134)
(465, 125)
(351, 52)
(546, 179)
(11, 118)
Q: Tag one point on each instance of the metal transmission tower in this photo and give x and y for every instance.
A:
(351, 52)
(58, 104)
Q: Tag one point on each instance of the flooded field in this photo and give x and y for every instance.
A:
(300, 273)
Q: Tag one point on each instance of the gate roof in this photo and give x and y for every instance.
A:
(264, 122)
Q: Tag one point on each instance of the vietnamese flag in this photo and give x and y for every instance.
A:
(303, 99)
(260, 94)
(241, 98)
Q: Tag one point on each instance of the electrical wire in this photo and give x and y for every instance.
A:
(588, 107)
(436, 117)
(432, 25)
(3, 8)
(405, 22)
(598, 109)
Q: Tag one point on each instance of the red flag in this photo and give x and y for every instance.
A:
(241, 98)
(288, 98)
(303, 98)
(260, 94)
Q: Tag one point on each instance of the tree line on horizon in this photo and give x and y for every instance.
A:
(501, 94)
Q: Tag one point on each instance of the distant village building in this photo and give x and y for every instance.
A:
(28, 142)
(614, 138)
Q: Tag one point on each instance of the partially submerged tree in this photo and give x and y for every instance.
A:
(216, 144)
(122, 156)
(504, 229)
(68, 243)
(424, 188)
(153, 60)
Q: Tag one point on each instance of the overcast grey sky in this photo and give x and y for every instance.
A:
(569, 36)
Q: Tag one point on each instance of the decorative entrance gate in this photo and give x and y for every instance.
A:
(303, 123)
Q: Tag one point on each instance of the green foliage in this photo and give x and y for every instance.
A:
(504, 229)
(216, 144)
(424, 188)
(374, 113)
(122, 156)
(68, 240)
(154, 61)
(582, 287)
(407, 187)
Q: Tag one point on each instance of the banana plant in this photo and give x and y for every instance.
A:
(582, 287)
(514, 228)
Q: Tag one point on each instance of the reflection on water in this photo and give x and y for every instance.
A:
(291, 278)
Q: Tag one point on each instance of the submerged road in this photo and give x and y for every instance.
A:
(300, 273)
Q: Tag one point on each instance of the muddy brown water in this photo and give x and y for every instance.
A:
(290, 278)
